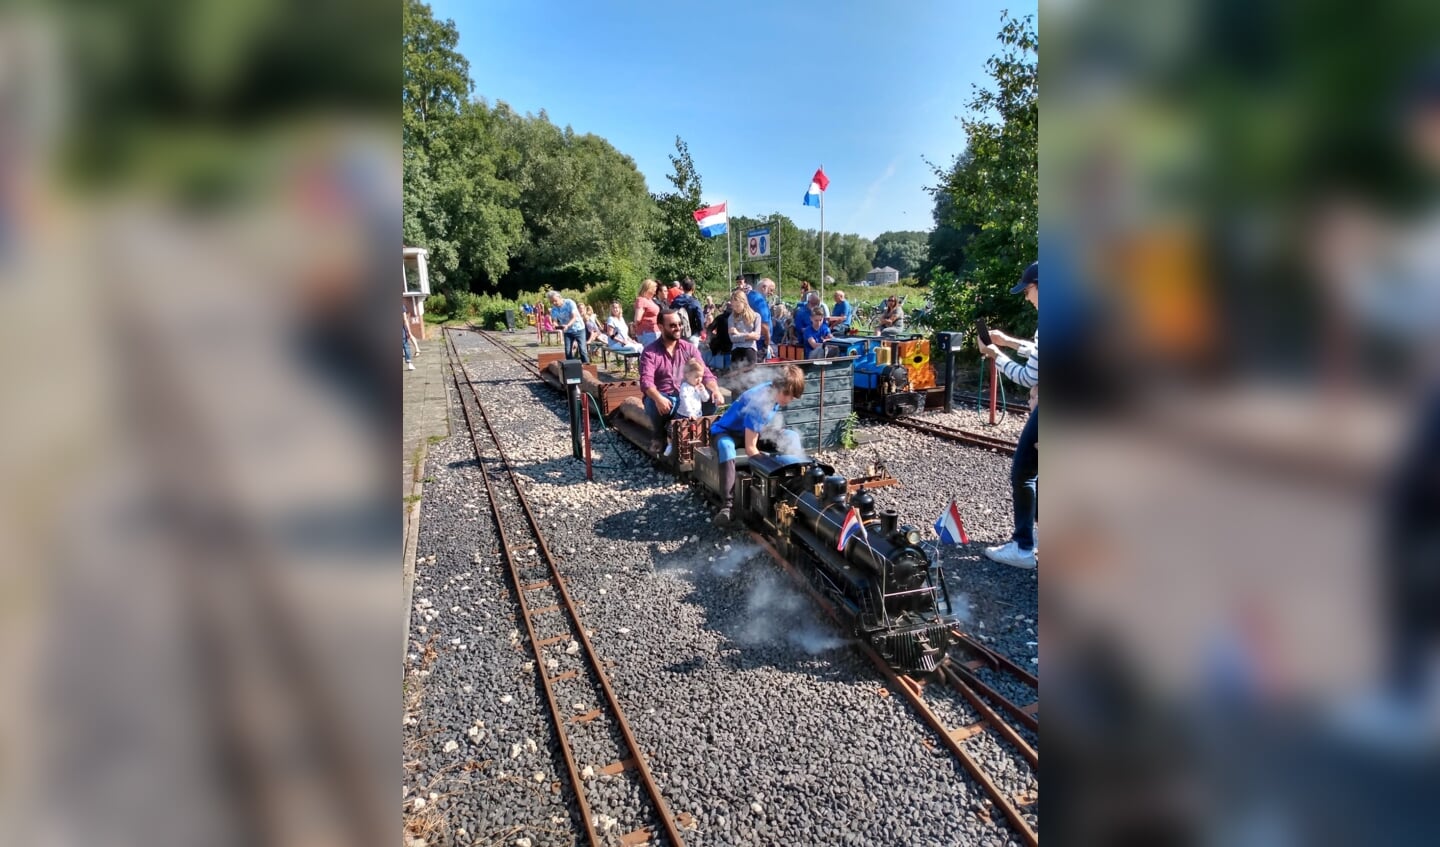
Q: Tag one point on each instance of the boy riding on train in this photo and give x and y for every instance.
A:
(751, 413)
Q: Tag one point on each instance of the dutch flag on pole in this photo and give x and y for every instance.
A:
(949, 526)
(850, 528)
(817, 185)
(713, 220)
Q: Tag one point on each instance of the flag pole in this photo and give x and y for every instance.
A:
(822, 243)
(729, 270)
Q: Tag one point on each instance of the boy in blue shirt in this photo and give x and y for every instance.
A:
(814, 335)
(743, 421)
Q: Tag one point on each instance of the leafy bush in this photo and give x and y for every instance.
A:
(466, 305)
(954, 308)
(437, 305)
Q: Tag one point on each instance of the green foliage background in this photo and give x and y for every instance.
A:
(509, 204)
(987, 199)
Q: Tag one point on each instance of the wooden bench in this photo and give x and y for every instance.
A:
(601, 349)
(629, 359)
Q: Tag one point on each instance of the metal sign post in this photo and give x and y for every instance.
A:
(761, 244)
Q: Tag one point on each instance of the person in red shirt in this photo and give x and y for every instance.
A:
(647, 311)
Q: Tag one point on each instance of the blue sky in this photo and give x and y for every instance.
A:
(762, 93)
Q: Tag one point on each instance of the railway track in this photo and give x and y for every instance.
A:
(950, 433)
(583, 707)
(509, 349)
(961, 678)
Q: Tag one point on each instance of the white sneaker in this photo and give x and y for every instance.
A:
(669, 448)
(1010, 554)
(409, 366)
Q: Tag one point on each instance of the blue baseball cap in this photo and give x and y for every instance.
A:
(1027, 279)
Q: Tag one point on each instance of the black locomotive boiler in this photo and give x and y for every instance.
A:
(891, 587)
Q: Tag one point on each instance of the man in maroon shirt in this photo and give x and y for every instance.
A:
(662, 371)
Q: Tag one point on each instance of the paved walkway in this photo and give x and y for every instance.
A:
(426, 415)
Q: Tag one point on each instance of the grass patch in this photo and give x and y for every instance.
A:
(847, 432)
(417, 463)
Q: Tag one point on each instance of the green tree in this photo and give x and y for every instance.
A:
(455, 202)
(945, 244)
(586, 210)
(680, 250)
(993, 187)
(436, 78)
(906, 251)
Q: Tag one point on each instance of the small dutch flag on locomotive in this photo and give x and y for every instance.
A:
(850, 528)
(949, 526)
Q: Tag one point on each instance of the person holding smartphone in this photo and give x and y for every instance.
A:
(1025, 467)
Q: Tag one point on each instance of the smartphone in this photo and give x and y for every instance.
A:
(982, 331)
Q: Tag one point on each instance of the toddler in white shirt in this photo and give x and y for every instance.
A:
(692, 394)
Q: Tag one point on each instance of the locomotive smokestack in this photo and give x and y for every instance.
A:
(865, 503)
(889, 520)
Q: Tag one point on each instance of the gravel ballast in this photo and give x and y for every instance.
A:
(757, 717)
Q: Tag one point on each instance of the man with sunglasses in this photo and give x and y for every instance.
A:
(662, 372)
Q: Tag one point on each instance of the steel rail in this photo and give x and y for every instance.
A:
(989, 716)
(1000, 663)
(510, 350)
(973, 439)
(557, 582)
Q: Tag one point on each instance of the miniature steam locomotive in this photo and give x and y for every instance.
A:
(889, 585)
